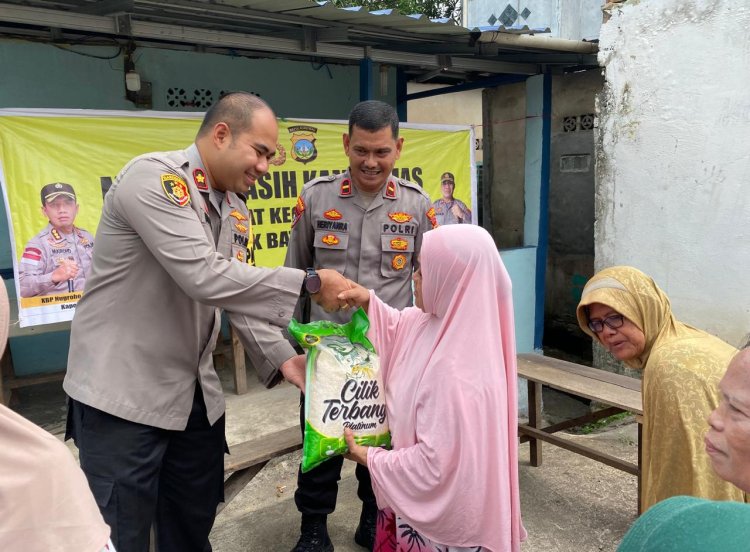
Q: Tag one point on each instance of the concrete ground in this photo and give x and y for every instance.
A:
(570, 503)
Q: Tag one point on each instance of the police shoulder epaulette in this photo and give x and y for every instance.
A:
(411, 185)
(320, 179)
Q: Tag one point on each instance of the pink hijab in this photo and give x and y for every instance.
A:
(45, 501)
(450, 380)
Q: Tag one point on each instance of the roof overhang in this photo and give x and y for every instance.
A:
(427, 50)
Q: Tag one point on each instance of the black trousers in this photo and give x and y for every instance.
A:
(142, 475)
(317, 489)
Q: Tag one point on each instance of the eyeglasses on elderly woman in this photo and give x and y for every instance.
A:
(613, 321)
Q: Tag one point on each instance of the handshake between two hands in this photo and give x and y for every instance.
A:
(339, 293)
(336, 293)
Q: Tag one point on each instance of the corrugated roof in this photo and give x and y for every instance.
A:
(291, 28)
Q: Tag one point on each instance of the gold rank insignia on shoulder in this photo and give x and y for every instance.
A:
(399, 262)
(330, 239)
(199, 177)
(56, 235)
(299, 208)
(241, 228)
(400, 217)
(237, 215)
(431, 217)
(390, 190)
(332, 214)
(346, 188)
(175, 189)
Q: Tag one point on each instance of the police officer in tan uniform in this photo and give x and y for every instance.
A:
(367, 225)
(448, 209)
(146, 407)
(57, 259)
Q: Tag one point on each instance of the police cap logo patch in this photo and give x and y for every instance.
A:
(175, 189)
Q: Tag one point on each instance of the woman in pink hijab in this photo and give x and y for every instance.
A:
(449, 367)
(45, 501)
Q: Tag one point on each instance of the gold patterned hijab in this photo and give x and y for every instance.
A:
(637, 297)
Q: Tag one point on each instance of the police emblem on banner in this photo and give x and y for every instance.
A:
(175, 189)
(303, 143)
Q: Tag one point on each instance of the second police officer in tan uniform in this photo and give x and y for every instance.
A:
(146, 407)
(58, 259)
(367, 225)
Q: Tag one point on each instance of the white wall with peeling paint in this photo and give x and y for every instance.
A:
(673, 155)
(572, 19)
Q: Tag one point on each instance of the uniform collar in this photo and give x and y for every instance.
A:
(59, 234)
(198, 173)
(197, 170)
(389, 191)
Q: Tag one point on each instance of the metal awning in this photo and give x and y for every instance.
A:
(439, 48)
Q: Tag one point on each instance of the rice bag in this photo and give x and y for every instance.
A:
(343, 388)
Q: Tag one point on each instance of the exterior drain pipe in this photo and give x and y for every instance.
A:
(524, 42)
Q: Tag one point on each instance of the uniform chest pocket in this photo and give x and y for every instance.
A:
(330, 249)
(396, 257)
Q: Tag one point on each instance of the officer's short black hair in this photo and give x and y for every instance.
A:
(236, 109)
(373, 115)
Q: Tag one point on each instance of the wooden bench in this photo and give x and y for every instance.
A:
(235, 351)
(619, 393)
(246, 459)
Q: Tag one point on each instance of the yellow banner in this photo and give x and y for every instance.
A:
(87, 149)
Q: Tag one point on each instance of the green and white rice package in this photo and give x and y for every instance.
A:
(344, 388)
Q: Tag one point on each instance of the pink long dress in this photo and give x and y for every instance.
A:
(450, 384)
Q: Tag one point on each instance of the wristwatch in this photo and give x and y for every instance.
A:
(311, 283)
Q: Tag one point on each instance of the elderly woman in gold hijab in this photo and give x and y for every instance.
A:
(631, 317)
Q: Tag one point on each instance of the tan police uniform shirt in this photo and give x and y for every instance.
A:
(45, 252)
(444, 212)
(375, 245)
(167, 255)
